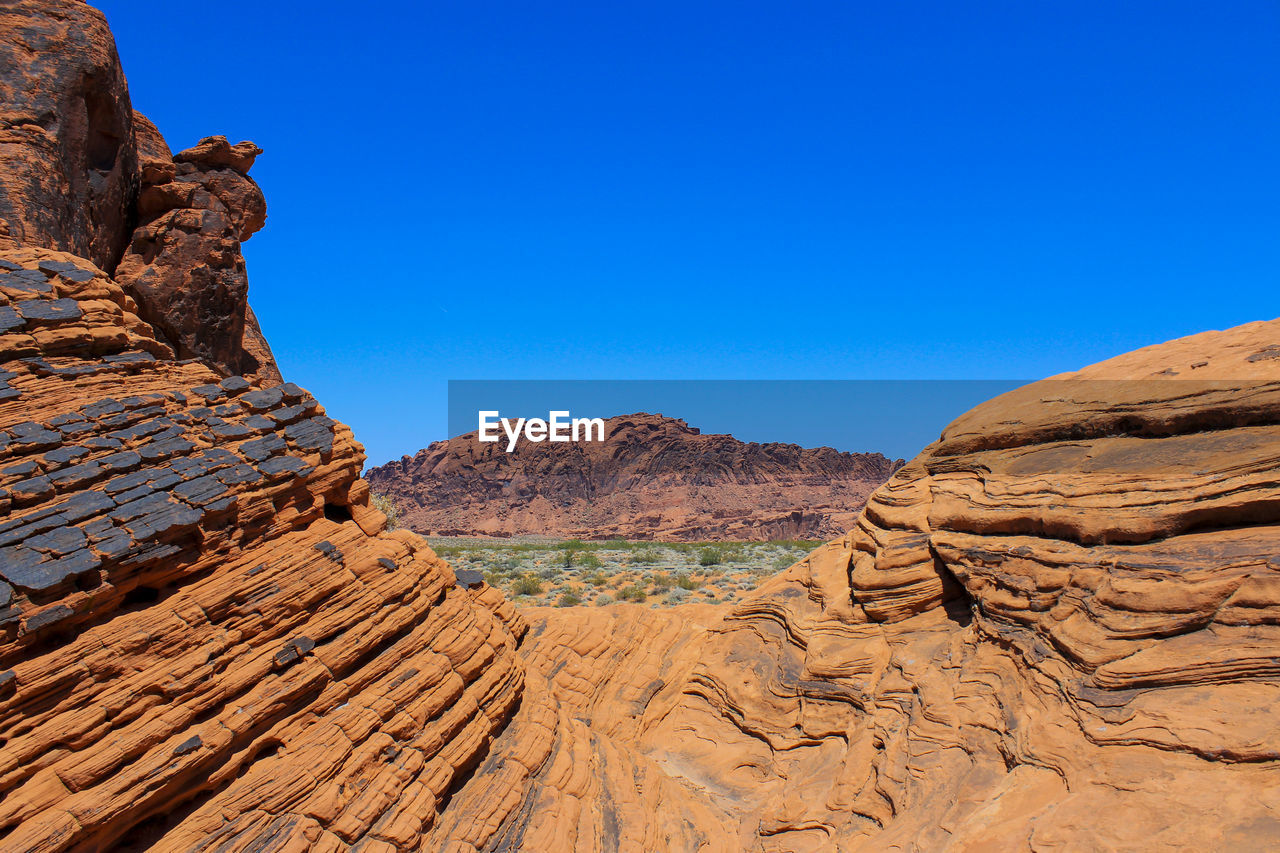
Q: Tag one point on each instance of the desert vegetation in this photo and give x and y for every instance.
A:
(656, 574)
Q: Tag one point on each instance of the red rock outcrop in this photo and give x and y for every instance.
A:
(68, 162)
(1056, 628)
(81, 172)
(651, 478)
(184, 264)
(208, 640)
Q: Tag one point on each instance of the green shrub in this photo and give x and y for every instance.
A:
(597, 579)
(710, 557)
(383, 504)
(602, 600)
(687, 582)
(632, 593)
(644, 555)
(526, 585)
(589, 561)
(662, 582)
(805, 545)
(568, 558)
(568, 599)
(732, 553)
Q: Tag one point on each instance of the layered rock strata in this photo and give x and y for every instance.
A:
(1056, 628)
(652, 477)
(209, 639)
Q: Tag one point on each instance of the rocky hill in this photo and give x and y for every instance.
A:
(651, 478)
(1057, 628)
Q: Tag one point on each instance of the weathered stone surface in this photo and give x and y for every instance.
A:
(81, 172)
(214, 152)
(188, 641)
(184, 264)
(1056, 628)
(652, 478)
(68, 162)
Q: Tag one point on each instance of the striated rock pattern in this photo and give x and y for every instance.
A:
(209, 641)
(567, 775)
(651, 478)
(1057, 628)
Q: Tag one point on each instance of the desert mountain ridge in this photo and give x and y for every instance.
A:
(652, 477)
(1056, 628)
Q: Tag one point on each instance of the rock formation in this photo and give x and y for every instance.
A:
(81, 172)
(1056, 628)
(207, 638)
(651, 478)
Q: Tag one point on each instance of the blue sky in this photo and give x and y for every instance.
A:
(658, 190)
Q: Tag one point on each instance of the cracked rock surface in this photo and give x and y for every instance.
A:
(207, 637)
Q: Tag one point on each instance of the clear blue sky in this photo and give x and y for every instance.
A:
(714, 190)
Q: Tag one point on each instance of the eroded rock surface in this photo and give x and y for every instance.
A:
(81, 172)
(651, 478)
(1056, 628)
(209, 640)
(68, 163)
(184, 264)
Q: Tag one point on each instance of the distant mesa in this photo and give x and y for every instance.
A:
(653, 477)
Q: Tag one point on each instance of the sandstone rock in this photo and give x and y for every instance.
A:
(214, 152)
(1055, 628)
(68, 164)
(81, 172)
(208, 637)
(184, 264)
(652, 478)
(207, 632)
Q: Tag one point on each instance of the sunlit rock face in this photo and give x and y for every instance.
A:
(81, 172)
(1056, 628)
(646, 477)
(207, 633)
(208, 639)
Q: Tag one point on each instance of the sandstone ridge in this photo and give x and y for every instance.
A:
(1056, 628)
(652, 477)
(81, 172)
